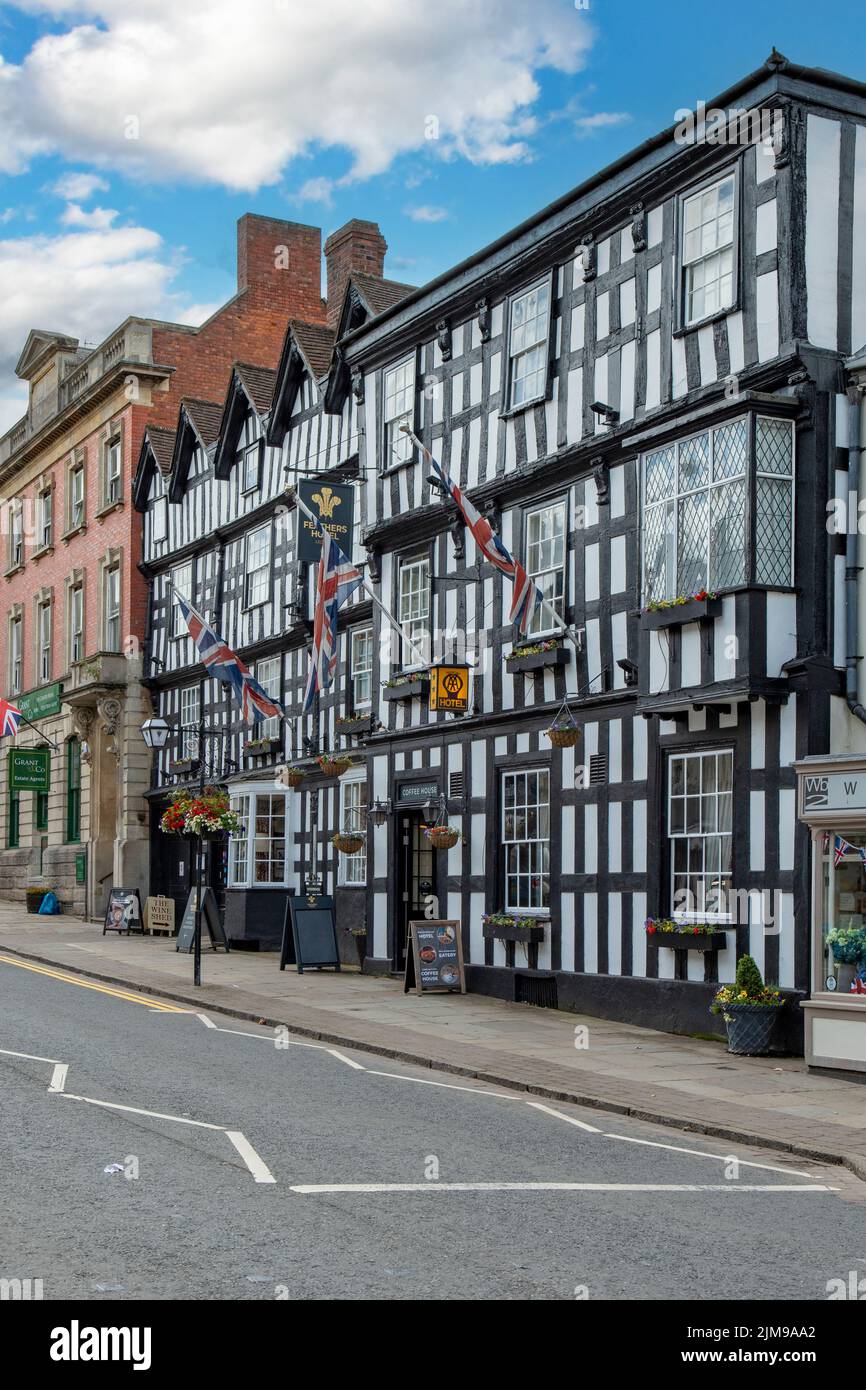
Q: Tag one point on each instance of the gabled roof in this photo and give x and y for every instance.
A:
(250, 388)
(307, 347)
(41, 343)
(198, 423)
(157, 449)
(366, 297)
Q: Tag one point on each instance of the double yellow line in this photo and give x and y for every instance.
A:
(149, 1001)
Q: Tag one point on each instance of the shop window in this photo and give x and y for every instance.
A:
(526, 839)
(258, 855)
(700, 805)
(13, 813)
(843, 915)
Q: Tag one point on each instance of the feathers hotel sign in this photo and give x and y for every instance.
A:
(334, 505)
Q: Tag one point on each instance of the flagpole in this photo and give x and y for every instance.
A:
(565, 629)
(292, 494)
(39, 731)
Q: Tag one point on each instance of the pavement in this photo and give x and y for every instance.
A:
(686, 1083)
(153, 1151)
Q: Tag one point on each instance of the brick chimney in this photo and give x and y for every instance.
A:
(280, 265)
(356, 246)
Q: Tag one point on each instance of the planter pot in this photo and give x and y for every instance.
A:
(845, 973)
(347, 844)
(689, 941)
(563, 738)
(537, 661)
(34, 899)
(337, 768)
(528, 935)
(294, 777)
(354, 728)
(697, 610)
(443, 837)
(184, 765)
(750, 1028)
(407, 690)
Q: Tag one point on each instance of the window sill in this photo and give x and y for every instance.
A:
(508, 412)
(108, 509)
(78, 530)
(43, 550)
(396, 467)
(12, 570)
(707, 321)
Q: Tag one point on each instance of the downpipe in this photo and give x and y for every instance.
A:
(852, 567)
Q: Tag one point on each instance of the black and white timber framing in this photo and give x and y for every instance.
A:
(758, 674)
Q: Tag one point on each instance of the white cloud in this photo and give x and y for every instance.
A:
(230, 94)
(85, 284)
(320, 190)
(601, 120)
(77, 187)
(427, 213)
(94, 219)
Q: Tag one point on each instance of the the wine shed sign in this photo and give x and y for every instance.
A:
(30, 769)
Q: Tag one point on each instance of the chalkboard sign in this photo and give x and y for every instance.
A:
(309, 928)
(211, 919)
(434, 959)
(123, 911)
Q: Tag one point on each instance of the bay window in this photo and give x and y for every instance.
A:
(526, 839)
(718, 509)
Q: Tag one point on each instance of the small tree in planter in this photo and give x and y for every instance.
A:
(750, 1009)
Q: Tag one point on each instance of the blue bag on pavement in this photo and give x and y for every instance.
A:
(50, 904)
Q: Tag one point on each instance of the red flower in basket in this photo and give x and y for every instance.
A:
(651, 929)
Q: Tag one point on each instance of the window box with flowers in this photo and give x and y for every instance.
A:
(506, 926)
(687, 608)
(183, 766)
(353, 725)
(261, 747)
(685, 936)
(406, 685)
(537, 656)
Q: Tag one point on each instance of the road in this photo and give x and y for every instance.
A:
(251, 1169)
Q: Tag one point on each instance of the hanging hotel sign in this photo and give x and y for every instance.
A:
(449, 688)
(30, 769)
(39, 703)
(334, 505)
(833, 791)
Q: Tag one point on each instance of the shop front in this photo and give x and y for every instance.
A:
(832, 802)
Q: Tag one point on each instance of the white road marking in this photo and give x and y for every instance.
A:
(206, 1021)
(58, 1078)
(422, 1081)
(259, 1169)
(376, 1187)
(569, 1119)
(701, 1153)
(28, 1056)
(342, 1058)
(154, 1114)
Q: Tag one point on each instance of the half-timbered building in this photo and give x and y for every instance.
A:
(643, 387)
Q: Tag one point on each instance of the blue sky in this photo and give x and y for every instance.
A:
(187, 116)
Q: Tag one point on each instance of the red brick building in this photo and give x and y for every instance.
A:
(75, 599)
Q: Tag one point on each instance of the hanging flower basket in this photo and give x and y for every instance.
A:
(334, 766)
(442, 836)
(347, 843)
(563, 735)
(293, 777)
(207, 815)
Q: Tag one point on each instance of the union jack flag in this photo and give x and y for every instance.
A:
(220, 661)
(527, 598)
(840, 849)
(10, 717)
(337, 579)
